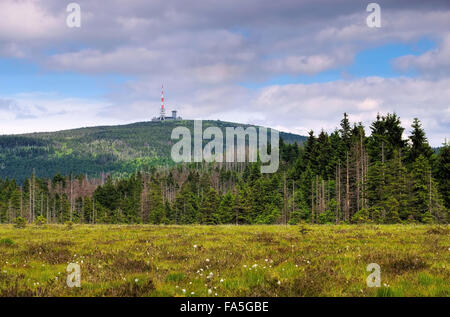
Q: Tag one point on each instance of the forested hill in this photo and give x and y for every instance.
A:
(111, 149)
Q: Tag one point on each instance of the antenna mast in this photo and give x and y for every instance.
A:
(163, 111)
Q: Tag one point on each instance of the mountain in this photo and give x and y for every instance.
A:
(113, 149)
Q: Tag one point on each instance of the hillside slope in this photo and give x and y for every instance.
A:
(113, 149)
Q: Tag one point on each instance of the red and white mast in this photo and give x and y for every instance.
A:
(163, 112)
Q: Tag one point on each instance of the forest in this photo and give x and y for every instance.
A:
(118, 150)
(342, 177)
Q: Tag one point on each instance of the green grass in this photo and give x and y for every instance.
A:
(144, 260)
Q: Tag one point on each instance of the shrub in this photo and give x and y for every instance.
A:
(327, 217)
(20, 222)
(175, 277)
(69, 225)
(40, 220)
(439, 230)
(303, 229)
(361, 216)
(7, 242)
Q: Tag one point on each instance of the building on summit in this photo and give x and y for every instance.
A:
(162, 113)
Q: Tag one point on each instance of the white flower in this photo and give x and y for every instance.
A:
(209, 291)
(255, 265)
(192, 293)
(136, 280)
(279, 282)
(207, 260)
(183, 290)
(195, 246)
(221, 280)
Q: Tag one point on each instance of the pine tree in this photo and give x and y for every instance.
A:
(224, 213)
(396, 185)
(209, 207)
(420, 173)
(240, 206)
(392, 210)
(443, 173)
(419, 143)
(157, 213)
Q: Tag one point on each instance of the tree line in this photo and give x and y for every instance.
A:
(342, 177)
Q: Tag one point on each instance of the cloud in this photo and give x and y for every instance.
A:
(434, 62)
(28, 20)
(296, 108)
(204, 51)
(24, 113)
(317, 106)
(123, 60)
(303, 64)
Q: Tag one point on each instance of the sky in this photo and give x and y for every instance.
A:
(293, 65)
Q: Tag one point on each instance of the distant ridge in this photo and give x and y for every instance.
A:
(112, 149)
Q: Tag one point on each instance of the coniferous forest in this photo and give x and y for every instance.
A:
(342, 177)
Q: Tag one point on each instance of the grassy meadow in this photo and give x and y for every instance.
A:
(145, 260)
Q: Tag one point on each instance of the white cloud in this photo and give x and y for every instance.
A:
(28, 20)
(202, 52)
(93, 61)
(24, 113)
(303, 64)
(319, 106)
(433, 62)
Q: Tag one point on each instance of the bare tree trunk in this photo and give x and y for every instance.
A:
(339, 193)
(285, 200)
(30, 194)
(293, 197)
(21, 202)
(47, 213)
(322, 207)
(336, 212)
(312, 200)
(429, 204)
(357, 183)
(71, 196)
(347, 194)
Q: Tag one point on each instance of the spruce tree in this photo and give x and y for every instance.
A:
(157, 213)
(209, 207)
(443, 173)
(419, 144)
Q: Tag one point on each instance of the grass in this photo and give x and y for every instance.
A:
(144, 260)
